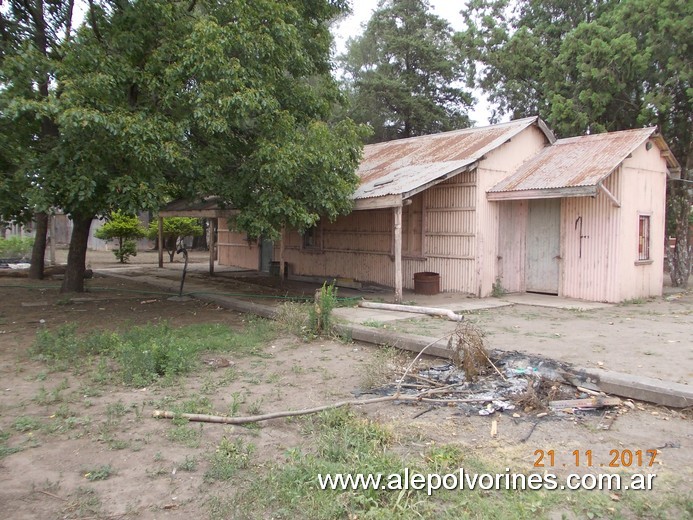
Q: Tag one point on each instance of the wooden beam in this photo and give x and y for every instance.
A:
(548, 193)
(613, 199)
(398, 253)
(212, 245)
(386, 201)
(161, 242)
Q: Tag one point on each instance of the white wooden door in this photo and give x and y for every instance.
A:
(542, 267)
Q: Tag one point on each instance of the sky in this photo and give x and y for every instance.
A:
(450, 10)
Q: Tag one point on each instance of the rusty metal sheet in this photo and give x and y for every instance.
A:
(401, 166)
(575, 162)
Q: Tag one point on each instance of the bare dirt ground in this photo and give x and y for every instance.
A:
(59, 427)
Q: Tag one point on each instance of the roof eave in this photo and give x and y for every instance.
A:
(544, 193)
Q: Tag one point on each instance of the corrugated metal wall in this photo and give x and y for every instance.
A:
(609, 269)
(590, 265)
(359, 245)
(511, 244)
(233, 248)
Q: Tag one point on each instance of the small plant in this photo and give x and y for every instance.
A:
(26, 424)
(320, 314)
(237, 399)
(375, 324)
(124, 229)
(229, 457)
(175, 230)
(497, 290)
(189, 464)
(184, 434)
(18, 248)
(634, 301)
(99, 473)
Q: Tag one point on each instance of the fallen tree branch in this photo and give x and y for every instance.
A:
(431, 311)
(221, 419)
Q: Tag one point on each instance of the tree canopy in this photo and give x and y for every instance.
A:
(403, 73)
(159, 98)
(589, 67)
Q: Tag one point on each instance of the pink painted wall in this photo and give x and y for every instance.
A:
(644, 192)
(594, 275)
(503, 161)
(607, 269)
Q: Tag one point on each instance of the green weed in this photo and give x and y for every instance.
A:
(26, 424)
(229, 457)
(99, 473)
(149, 353)
(189, 464)
(320, 313)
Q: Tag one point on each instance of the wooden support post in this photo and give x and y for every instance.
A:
(398, 253)
(161, 242)
(212, 244)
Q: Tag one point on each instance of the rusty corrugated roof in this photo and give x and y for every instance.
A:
(575, 162)
(401, 166)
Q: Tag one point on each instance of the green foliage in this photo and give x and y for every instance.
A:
(498, 291)
(147, 354)
(175, 230)
(125, 229)
(402, 71)
(592, 67)
(102, 472)
(6, 450)
(26, 424)
(15, 247)
(320, 313)
(228, 458)
(172, 98)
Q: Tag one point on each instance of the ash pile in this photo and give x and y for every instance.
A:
(479, 382)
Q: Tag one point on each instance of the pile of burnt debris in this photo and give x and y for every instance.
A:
(483, 383)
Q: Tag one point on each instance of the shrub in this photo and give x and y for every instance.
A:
(320, 314)
(175, 230)
(125, 229)
(16, 247)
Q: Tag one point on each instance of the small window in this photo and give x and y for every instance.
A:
(312, 238)
(644, 238)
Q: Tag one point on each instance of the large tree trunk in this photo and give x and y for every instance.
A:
(77, 255)
(679, 208)
(38, 253)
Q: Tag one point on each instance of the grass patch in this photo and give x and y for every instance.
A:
(26, 424)
(343, 442)
(6, 450)
(150, 353)
(185, 434)
(99, 473)
(229, 457)
(83, 503)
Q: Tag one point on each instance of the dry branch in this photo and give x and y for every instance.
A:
(221, 419)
